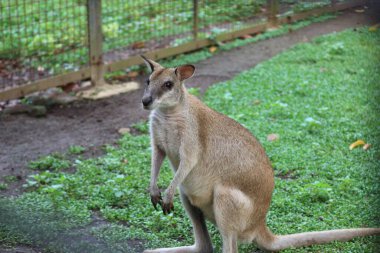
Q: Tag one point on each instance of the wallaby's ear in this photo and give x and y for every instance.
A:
(152, 65)
(185, 71)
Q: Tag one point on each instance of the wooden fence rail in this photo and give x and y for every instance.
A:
(97, 68)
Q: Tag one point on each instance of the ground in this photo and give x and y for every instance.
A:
(92, 124)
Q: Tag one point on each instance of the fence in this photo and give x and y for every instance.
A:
(48, 43)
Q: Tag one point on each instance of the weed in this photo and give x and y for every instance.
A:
(50, 162)
(76, 150)
(142, 127)
(3, 186)
(10, 178)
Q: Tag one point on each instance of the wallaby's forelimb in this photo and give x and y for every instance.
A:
(184, 168)
(158, 157)
(280, 242)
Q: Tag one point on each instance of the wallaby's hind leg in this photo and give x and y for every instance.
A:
(202, 238)
(229, 243)
(232, 209)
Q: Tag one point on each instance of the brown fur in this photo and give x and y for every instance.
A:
(222, 171)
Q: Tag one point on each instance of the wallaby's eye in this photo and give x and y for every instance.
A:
(147, 82)
(168, 84)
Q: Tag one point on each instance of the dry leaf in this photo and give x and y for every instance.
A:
(124, 130)
(138, 45)
(356, 144)
(367, 146)
(213, 49)
(246, 36)
(133, 74)
(256, 102)
(273, 137)
(69, 87)
(374, 28)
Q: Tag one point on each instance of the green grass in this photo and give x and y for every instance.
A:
(319, 97)
(50, 162)
(75, 150)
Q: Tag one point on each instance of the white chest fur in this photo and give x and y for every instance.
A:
(166, 130)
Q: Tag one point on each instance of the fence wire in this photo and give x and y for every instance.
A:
(134, 27)
(297, 6)
(41, 38)
(44, 38)
(143, 25)
(219, 16)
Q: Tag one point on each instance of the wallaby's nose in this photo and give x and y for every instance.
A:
(147, 100)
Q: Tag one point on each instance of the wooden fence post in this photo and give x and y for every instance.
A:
(272, 11)
(95, 39)
(195, 19)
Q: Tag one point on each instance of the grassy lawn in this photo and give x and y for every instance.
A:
(319, 97)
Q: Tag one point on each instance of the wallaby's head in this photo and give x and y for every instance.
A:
(164, 88)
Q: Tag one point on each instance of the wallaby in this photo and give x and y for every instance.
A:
(222, 171)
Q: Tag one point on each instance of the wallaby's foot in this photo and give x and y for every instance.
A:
(185, 249)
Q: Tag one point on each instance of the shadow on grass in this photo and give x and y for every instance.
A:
(53, 231)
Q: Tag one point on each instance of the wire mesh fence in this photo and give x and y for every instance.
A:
(45, 38)
(296, 6)
(132, 27)
(41, 38)
(220, 16)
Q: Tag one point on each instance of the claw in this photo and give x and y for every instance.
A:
(156, 200)
(167, 208)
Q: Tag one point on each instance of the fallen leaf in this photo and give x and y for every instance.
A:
(373, 28)
(273, 137)
(124, 130)
(246, 36)
(256, 102)
(356, 144)
(367, 146)
(213, 49)
(69, 87)
(138, 45)
(133, 74)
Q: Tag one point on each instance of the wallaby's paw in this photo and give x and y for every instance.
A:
(167, 207)
(155, 197)
(167, 202)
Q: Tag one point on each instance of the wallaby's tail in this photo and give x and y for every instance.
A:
(268, 241)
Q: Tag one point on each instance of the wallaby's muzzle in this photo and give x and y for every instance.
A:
(147, 101)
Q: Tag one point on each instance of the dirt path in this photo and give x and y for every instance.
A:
(94, 123)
